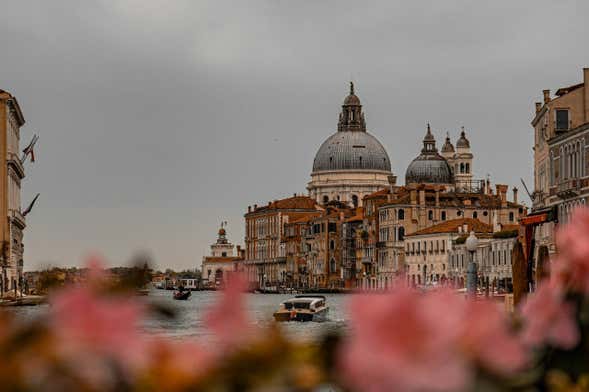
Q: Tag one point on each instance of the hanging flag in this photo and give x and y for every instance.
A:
(29, 150)
(30, 207)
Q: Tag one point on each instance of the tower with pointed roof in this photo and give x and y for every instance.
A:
(351, 163)
(462, 162)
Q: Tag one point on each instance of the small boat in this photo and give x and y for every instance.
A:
(303, 308)
(182, 295)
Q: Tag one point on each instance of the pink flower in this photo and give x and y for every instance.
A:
(228, 318)
(486, 338)
(549, 319)
(404, 341)
(86, 324)
(571, 267)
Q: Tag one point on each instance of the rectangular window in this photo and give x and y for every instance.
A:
(562, 119)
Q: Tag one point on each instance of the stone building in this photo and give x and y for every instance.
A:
(222, 260)
(265, 252)
(561, 164)
(351, 163)
(12, 222)
(427, 251)
(493, 258)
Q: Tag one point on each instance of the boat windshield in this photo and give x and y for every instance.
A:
(296, 305)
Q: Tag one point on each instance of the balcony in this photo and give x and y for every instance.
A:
(18, 219)
(568, 188)
(14, 161)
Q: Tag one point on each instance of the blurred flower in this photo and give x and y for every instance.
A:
(548, 318)
(84, 322)
(228, 318)
(487, 339)
(571, 267)
(403, 341)
(178, 364)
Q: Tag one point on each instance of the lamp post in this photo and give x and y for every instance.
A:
(471, 272)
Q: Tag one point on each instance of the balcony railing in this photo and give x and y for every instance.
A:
(569, 188)
(14, 161)
(18, 218)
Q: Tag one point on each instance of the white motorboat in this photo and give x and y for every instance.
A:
(303, 308)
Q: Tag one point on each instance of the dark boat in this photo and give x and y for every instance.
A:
(182, 295)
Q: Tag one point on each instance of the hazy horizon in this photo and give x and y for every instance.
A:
(158, 120)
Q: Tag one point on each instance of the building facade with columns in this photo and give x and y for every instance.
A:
(223, 260)
(351, 163)
(12, 221)
(561, 159)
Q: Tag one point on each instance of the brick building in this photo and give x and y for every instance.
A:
(265, 249)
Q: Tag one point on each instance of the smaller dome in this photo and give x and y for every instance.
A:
(448, 147)
(222, 231)
(429, 167)
(463, 141)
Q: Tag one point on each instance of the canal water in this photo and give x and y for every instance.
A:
(190, 315)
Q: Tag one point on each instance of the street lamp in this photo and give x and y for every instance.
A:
(471, 272)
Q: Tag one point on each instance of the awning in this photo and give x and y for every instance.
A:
(534, 219)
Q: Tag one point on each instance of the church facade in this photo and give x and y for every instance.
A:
(349, 231)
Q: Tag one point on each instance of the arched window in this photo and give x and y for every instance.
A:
(467, 169)
(325, 199)
(511, 216)
(401, 214)
(355, 201)
(462, 167)
(332, 244)
(332, 266)
(475, 215)
(430, 215)
(443, 215)
(401, 235)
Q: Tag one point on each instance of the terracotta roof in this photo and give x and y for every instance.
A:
(454, 199)
(211, 259)
(291, 203)
(377, 194)
(509, 227)
(305, 218)
(565, 90)
(452, 226)
(359, 216)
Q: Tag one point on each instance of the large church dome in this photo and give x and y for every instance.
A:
(429, 167)
(351, 151)
(351, 163)
(351, 147)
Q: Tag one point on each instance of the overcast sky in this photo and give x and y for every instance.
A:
(160, 119)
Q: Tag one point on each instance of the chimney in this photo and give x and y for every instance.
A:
(546, 96)
(586, 81)
(392, 183)
(413, 196)
(538, 107)
(502, 193)
(515, 195)
(422, 197)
